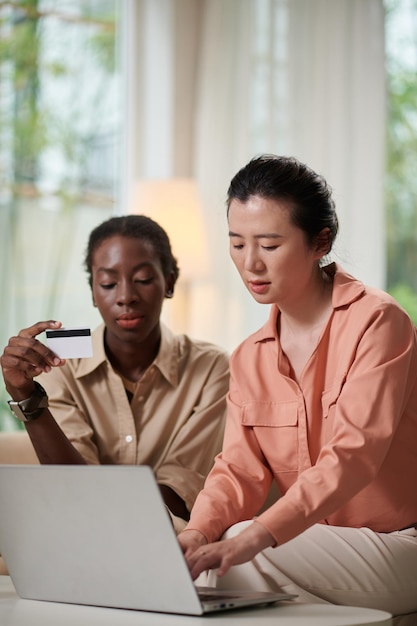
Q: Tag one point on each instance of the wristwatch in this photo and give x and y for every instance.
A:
(30, 409)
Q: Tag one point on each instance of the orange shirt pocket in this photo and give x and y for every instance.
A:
(275, 425)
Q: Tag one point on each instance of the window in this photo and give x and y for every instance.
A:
(60, 129)
(401, 182)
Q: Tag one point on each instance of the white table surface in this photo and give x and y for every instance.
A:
(17, 612)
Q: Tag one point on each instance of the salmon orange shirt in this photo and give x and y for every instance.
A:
(341, 444)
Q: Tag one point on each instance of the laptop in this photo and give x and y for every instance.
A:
(101, 536)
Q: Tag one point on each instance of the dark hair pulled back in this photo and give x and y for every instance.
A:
(307, 194)
(138, 227)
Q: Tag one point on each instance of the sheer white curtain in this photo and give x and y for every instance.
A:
(305, 78)
(337, 117)
(233, 78)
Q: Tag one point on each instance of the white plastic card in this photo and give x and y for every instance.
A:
(70, 343)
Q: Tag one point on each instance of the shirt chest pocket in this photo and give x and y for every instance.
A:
(275, 426)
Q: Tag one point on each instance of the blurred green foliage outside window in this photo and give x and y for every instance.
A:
(60, 128)
(401, 152)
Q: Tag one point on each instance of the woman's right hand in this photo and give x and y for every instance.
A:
(25, 357)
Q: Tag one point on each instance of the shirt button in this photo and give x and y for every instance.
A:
(128, 438)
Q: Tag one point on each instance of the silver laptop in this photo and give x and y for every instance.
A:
(100, 535)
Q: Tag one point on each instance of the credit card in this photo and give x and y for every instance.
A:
(70, 343)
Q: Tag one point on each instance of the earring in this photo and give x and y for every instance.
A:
(169, 293)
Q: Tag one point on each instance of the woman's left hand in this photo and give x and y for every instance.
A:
(222, 555)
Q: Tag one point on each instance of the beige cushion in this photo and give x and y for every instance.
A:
(16, 448)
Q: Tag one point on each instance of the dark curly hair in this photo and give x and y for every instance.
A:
(135, 227)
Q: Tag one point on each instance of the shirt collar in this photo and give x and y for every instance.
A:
(346, 289)
(166, 360)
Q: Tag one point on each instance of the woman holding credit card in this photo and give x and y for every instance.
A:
(146, 396)
(323, 403)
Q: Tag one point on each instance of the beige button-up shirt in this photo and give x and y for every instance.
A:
(341, 444)
(174, 422)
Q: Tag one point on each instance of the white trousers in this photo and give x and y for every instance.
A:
(337, 565)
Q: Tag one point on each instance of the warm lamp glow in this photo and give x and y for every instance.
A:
(174, 204)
